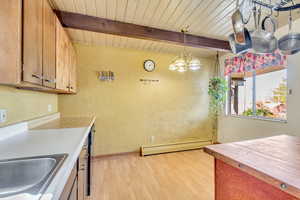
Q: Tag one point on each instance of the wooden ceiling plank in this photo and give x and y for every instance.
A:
(210, 13)
(129, 43)
(140, 10)
(111, 40)
(159, 13)
(181, 9)
(131, 10)
(111, 9)
(79, 6)
(122, 42)
(147, 45)
(221, 26)
(96, 24)
(170, 11)
(197, 15)
(220, 14)
(204, 14)
(141, 44)
(96, 39)
(91, 8)
(151, 11)
(154, 47)
(159, 47)
(121, 9)
(114, 41)
(187, 14)
(100, 8)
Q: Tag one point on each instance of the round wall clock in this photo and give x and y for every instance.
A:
(149, 65)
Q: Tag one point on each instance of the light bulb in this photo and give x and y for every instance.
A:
(172, 67)
(195, 64)
(180, 63)
(195, 67)
(181, 69)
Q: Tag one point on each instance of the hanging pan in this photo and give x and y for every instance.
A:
(262, 41)
(237, 48)
(290, 43)
(269, 23)
(238, 25)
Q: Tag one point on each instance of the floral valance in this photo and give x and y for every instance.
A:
(251, 62)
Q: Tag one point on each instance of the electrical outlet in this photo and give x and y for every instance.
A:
(3, 115)
(152, 139)
(49, 108)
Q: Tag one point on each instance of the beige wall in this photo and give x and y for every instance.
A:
(236, 129)
(24, 105)
(129, 112)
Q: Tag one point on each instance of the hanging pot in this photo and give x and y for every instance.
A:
(290, 43)
(240, 48)
(238, 26)
(269, 23)
(246, 10)
(262, 41)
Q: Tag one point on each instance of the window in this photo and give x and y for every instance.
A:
(261, 94)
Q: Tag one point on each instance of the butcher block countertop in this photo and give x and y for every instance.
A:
(275, 160)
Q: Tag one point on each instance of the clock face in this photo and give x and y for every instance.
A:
(149, 65)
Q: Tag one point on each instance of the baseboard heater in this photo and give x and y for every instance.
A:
(173, 147)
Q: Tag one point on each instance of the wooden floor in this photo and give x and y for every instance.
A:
(185, 175)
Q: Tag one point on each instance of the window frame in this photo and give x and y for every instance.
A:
(228, 107)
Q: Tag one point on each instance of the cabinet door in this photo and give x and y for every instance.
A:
(49, 46)
(69, 187)
(10, 41)
(82, 172)
(73, 87)
(33, 41)
(73, 194)
(62, 71)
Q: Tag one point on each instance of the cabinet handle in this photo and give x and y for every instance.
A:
(50, 81)
(70, 87)
(37, 76)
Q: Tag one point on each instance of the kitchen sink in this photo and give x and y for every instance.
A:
(28, 175)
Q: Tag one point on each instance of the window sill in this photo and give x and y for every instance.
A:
(258, 118)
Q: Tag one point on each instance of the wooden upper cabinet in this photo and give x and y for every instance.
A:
(33, 41)
(49, 46)
(62, 68)
(35, 50)
(10, 41)
(65, 61)
(73, 75)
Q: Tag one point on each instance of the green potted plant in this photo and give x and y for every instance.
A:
(217, 91)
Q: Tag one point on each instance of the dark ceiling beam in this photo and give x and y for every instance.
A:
(101, 25)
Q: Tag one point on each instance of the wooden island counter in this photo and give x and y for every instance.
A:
(261, 169)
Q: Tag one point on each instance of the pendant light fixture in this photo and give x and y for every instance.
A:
(185, 61)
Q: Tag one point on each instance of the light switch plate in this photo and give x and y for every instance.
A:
(3, 115)
(49, 108)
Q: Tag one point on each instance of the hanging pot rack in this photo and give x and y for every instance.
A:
(279, 7)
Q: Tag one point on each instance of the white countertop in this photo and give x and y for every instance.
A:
(46, 142)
